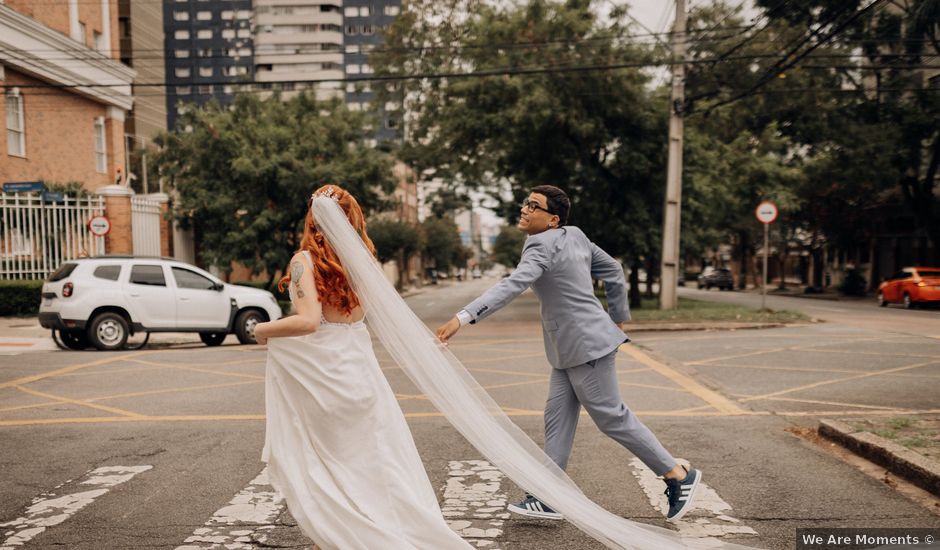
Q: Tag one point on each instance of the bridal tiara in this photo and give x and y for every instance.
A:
(329, 193)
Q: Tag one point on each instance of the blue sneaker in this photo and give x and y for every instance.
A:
(534, 508)
(680, 493)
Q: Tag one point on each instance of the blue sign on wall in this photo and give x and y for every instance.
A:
(24, 187)
(49, 196)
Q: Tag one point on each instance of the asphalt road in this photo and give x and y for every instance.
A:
(182, 428)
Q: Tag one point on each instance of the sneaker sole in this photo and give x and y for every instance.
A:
(533, 514)
(688, 504)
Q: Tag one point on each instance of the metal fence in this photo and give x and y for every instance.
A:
(37, 236)
(145, 219)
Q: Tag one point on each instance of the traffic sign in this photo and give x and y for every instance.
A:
(24, 187)
(766, 212)
(99, 226)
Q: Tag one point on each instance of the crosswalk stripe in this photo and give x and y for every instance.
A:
(474, 502)
(710, 516)
(242, 523)
(62, 502)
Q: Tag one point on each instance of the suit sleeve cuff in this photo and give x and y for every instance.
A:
(464, 317)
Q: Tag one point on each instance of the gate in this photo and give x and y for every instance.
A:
(145, 220)
(36, 236)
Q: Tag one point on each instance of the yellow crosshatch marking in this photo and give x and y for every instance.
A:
(632, 362)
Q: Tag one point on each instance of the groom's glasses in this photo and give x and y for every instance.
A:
(532, 206)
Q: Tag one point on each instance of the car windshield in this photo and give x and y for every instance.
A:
(929, 272)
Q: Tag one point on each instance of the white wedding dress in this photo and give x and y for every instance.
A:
(339, 449)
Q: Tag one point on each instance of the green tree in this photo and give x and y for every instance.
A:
(442, 244)
(507, 249)
(243, 174)
(395, 240)
(595, 133)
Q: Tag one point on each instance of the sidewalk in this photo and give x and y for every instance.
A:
(883, 442)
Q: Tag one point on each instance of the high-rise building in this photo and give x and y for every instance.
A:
(208, 51)
(364, 22)
(299, 40)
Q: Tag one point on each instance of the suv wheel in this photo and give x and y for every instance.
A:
(212, 338)
(245, 324)
(908, 304)
(881, 299)
(108, 331)
(74, 339)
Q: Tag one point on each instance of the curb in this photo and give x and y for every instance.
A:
(714, 325)
(901, 461)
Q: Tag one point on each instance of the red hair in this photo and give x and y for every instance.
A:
(328, 273)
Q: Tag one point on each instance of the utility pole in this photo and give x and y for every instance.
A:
(669, 277)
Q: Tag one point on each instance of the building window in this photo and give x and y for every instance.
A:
(392, 11)
(182, 72)
(368, 30)
(366, 69)
(101, 147)
(181, 15)
(228, 14)
(205, 71)
(16, 131)
(352, 69)
(204, 34)
(181, 35)
(99, 43)
(205, 89)
(182, 90)
(228, 33)
(244, 14)
(351, 12)
(204, 15)
(227, 89)
(204, 52)
(244, 33)
(181, 54)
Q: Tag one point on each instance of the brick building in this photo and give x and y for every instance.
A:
(65, 92)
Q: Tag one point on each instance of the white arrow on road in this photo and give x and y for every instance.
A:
(61, 503)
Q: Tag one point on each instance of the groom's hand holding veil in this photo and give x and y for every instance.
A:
(448, 329)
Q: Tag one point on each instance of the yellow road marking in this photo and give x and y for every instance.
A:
(654, 387)
(172, 390)
(808, 369)
(735, 356)
(73, 368)
(61, 399)
(721, 403)
(197, 369)
(837, 380)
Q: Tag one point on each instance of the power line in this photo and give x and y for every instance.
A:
(783, 65)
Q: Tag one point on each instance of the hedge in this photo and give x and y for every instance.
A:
(20, 297)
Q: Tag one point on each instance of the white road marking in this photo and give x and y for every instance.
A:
(474, 502)
(61, 503)
(710, 516)
(243, 522)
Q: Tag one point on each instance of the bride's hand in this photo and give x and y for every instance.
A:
(260, 338)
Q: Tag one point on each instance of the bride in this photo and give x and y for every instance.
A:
(337, 445)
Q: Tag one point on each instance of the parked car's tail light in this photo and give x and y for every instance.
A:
(67, 290)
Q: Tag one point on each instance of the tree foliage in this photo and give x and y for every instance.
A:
(243, 175)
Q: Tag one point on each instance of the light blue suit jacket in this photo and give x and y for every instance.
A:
(559, 265)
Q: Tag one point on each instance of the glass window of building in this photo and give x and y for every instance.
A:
(368, 30)
(182, 72)
(181, 54)
(181, 34)
(101, 147)
(204, 34)
(183, 90)
(181, 15)
(228, 33)
(352, 30)
(204, 15)
(205, 71)
(392, 11)
(16, 129)
(228, 14)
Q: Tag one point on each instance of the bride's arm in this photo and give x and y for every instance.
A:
(305, 302)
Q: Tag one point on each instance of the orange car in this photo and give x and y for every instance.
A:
(911, 286)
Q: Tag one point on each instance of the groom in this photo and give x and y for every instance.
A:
(581, 341)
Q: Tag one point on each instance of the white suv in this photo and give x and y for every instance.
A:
(101, 301)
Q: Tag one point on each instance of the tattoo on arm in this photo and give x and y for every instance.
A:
(296, 272)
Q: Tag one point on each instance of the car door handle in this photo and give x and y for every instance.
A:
(184, 299)
(135, 295)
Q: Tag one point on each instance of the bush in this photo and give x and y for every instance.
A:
(20, 297)
(853, 284)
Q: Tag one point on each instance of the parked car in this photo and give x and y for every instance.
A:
(719, 277)
(476, 273)
(102, 301)
(911, 286)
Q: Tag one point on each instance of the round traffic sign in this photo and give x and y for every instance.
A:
(99, 226)
(766, 212)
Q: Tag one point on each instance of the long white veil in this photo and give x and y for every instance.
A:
(468, 407)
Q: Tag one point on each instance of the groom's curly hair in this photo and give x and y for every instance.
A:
(558, 202)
